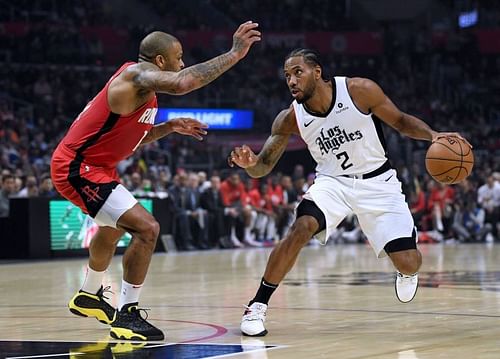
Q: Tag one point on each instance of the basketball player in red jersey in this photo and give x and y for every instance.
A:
(109, 129)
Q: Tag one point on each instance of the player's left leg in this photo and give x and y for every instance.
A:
(407, 259)
(385, 218)
(90, 299)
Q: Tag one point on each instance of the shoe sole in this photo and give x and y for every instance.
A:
(93, 313)
(261, 334)
(127, 334)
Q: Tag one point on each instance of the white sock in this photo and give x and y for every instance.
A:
(233, 232)
(248, 233)
(130, 294)
(93, 281)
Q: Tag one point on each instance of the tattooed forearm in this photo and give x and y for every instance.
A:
(147, 77)
(271, 152)
(204, 73)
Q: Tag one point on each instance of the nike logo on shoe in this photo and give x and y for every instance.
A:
(307, 124)
(389, 178)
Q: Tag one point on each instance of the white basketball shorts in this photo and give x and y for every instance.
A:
(378, 202)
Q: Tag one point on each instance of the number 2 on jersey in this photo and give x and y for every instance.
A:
(139, 143)
(344, 163)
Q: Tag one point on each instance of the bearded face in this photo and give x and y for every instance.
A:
(301, 78)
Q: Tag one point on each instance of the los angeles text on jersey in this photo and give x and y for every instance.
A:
(334, 138)
(148, 116)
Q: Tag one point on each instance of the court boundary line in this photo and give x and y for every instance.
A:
(381, 311)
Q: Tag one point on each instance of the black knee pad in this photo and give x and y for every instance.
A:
(402, 244)
(309, 208)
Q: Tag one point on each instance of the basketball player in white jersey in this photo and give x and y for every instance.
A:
(339, 119)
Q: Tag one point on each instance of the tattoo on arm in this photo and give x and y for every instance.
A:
(284, 126)
(271, 152)
(186, 80)
(208, 71)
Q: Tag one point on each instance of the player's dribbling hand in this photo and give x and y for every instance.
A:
(188, 127)
(242, 156)
(439, 135)
(244, 37)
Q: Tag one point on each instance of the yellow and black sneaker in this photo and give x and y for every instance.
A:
(130, 325)
(93, 305)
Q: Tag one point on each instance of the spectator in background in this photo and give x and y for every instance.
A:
(275, 191)
(298, 186)
(135, 182)
(469, 224)
(488, 197)
(18, 184)
(418, 207)
(290, 201)
(198, 214)
(30, 189)
(180, 194)
(298, 171)
(265, 221)
(218, 224)
(204, 183)
(46, 188)
(162, 184)
(160, 167)
(145, 189)
(235, 197)
(310, 180)
(441, 197)
(7, 191)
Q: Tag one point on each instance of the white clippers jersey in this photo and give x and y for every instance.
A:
(344, 141)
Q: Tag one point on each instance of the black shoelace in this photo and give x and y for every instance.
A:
(104, 290)
(138, 311)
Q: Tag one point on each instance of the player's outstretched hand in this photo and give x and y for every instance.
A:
(244, 37)
(188, 127)
(242, 156)
(439, 135)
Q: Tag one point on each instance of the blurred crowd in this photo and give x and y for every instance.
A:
(51, 74)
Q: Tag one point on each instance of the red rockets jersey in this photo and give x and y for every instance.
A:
(103, 138)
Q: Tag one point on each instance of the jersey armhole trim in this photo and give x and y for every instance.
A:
(354, 103)
(294, 106)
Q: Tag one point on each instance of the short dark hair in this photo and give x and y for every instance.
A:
(155, 43)
(310, 57)
(44, 177)
(7, 177)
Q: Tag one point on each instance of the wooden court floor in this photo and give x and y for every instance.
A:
(338, 302)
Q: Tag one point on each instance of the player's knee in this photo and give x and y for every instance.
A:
(150, 232)
(303, 229)
(407, 262)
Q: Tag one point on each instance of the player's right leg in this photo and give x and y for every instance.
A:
(310, 220)
(90, 301)
(129, 323)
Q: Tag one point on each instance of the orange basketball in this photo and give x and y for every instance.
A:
(449, 160)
